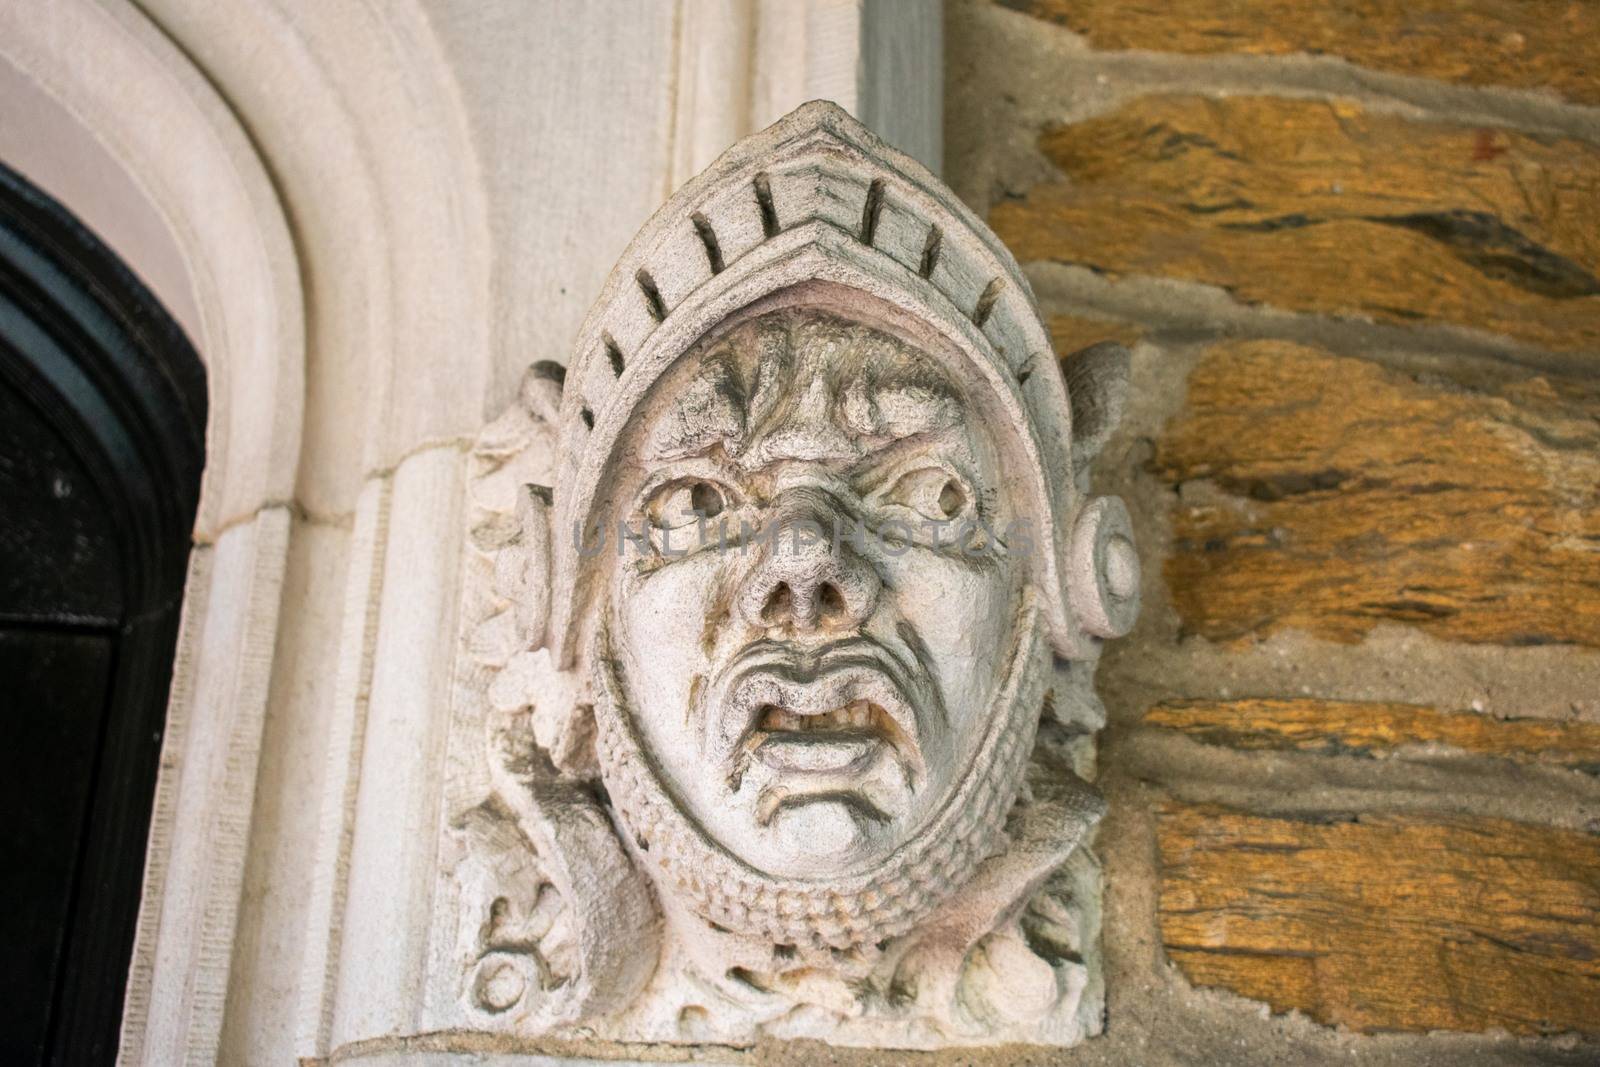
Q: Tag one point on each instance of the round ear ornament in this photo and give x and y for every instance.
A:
(1104, 589)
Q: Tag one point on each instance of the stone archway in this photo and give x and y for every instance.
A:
(181, 195)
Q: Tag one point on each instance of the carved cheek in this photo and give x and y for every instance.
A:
(962, 613)
(662, 619)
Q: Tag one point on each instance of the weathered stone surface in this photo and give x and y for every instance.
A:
(1387, 922)
(829, 809)
(1480, 42)
(1322, 206)
(1361, 728)
(1328, 493)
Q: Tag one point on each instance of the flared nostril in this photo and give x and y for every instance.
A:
(797, 584)
(807, 606)
(830, 603)
(779, 607)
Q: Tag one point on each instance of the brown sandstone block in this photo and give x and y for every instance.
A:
(1512, 43)
(1073, 333)
(1336, 727)
(1320, 206)
(1330, 494)
(1387, 922)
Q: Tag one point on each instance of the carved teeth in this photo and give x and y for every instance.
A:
(856, 715)
(850, 693)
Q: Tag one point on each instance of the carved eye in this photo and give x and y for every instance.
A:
(932, 492)
(675, 504)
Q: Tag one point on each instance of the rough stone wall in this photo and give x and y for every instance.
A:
(1354, 749)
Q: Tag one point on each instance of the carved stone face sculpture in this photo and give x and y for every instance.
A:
(813, 637)
(790, 596)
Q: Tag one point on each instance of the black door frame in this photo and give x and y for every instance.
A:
(87, 344)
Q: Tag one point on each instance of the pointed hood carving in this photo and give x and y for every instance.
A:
(810, 207)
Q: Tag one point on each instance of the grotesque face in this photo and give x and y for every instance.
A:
(815, 634)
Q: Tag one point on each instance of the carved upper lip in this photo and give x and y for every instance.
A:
(854, 691)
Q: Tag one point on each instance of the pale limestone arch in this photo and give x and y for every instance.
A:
(182, 149)
(357, 115)
(359, 121)
(310, 209)
(178, 188)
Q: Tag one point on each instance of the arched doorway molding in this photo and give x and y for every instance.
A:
(309, 167)
(182, 164)
(180, 150)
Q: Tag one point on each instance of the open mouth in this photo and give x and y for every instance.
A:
(843, 723)
(836, 739)
(819, 755)
(848, 696)
(858, 715)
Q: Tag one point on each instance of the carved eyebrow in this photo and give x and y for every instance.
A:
(897, 409)
(709, 412)
(948, 447)
(914, 408)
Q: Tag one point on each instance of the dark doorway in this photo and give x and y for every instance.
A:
(102, 440)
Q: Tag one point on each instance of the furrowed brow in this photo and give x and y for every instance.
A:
(709, 412)
(947, 445)
(899, 408)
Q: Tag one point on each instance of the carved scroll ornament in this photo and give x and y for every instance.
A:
(781, 630)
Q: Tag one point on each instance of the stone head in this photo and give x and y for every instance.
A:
(818, 609)
(818, 529)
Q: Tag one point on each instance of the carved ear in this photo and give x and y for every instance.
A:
(1104, 590)
(1097, 387)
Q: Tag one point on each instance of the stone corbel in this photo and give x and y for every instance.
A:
(754, 783)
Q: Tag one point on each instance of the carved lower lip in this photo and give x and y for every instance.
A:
(814, 763)
(838, 741)
(829, 723)
(825, 755)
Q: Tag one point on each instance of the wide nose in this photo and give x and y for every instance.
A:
(800, 580)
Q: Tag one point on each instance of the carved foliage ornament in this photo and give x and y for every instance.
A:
(780, 633)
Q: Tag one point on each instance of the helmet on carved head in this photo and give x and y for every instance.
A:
(811, 206)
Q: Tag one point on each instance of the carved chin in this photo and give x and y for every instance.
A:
(816, 909)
